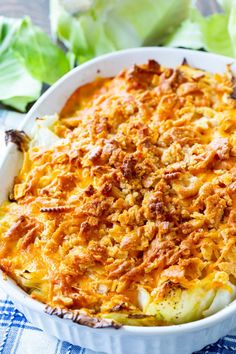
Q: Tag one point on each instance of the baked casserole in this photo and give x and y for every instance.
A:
(124, 209)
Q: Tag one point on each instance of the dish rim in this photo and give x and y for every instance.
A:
(14, 290)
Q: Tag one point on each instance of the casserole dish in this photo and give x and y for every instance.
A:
(182, 338)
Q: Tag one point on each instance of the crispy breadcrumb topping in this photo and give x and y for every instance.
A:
(140, 191)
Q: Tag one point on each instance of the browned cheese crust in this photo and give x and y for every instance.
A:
(139, 191)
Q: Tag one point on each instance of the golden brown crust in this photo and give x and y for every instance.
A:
(139, 192)
(17, 137)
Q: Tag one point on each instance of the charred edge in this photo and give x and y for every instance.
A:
(233, 94)
(11, 197)
(154, 66)
(90, 190)
(57, 209)
(118, 307)
(229, 67)
(18, 137)
(138, 316)
(184, 62)
(82, 319)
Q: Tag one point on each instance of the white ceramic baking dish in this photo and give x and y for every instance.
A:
(178, 339)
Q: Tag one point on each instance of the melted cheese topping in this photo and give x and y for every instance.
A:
(135, 200)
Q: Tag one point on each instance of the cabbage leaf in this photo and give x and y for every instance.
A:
(215, 33)
(216, 36)
(102, 26)
(17, 86)
(42, 134)
(185, 305)
(92, 27)
(188, 34)
(28, 58)
(44, 60)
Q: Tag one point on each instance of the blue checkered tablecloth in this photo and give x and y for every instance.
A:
(18, 336)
